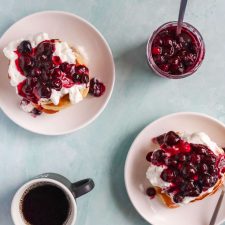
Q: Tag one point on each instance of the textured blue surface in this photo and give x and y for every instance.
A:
(99, 150)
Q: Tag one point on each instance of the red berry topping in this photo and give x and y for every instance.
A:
(151, 192)
(44, 71)
(97, 88)
(190, 168)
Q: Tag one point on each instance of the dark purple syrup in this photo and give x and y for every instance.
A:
(45, 205)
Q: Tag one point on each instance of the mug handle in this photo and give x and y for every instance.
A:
(82, 187)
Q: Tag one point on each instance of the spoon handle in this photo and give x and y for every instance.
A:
(215, 213)
(183, 5)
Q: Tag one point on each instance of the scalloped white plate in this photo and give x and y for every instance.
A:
(154, 211)
(79, 33)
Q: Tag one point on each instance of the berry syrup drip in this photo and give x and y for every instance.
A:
(175, 54)
(190, 168)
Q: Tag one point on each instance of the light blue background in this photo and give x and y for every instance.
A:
(99, 150)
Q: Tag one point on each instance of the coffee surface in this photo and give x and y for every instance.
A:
(45, 205)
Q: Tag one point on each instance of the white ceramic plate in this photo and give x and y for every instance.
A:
(79, 33)
(154, 211)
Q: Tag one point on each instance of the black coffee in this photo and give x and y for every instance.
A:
(45, 205)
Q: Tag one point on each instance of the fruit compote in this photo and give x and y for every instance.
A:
(44, 72)
(175, 56)
(191, 169)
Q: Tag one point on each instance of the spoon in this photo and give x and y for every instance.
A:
(215, 213)
(183, 4)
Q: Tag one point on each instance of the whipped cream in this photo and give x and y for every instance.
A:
(74, 92)
(26, 107)
(153, 173)
(62, 50)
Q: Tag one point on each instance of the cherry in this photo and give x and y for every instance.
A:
(148, 156)
(198, 148)
(44, 91)
(159, 60)
(178, 198)
(96, 88)
(164, 67)
(44, 49)
(203, 168)
(65, 67)
(171, 161)
(167, 175)
(194, 158)
(171, 138)
(26, 63)
(44, 76)
(77, 78)
(151, 192)
(24, 47)
(57, 72)
(81, 69)
(213, 170)
(188, 171)
(196, 191)
(35, 72)
(158, 156)
(187, 187)
(159, 139)
(156, 50)
(56, 60)
(56, 84)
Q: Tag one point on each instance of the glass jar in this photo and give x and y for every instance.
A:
(195, 37)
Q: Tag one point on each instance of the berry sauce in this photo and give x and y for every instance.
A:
(45, 72)
(190, 168)
(175, 54)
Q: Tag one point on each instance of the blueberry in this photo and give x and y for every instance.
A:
(56, 84)
(24, 47)
(171, 138)
(77, 78)
(167, 175)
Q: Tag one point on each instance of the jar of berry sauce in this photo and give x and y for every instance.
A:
(175, 56)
